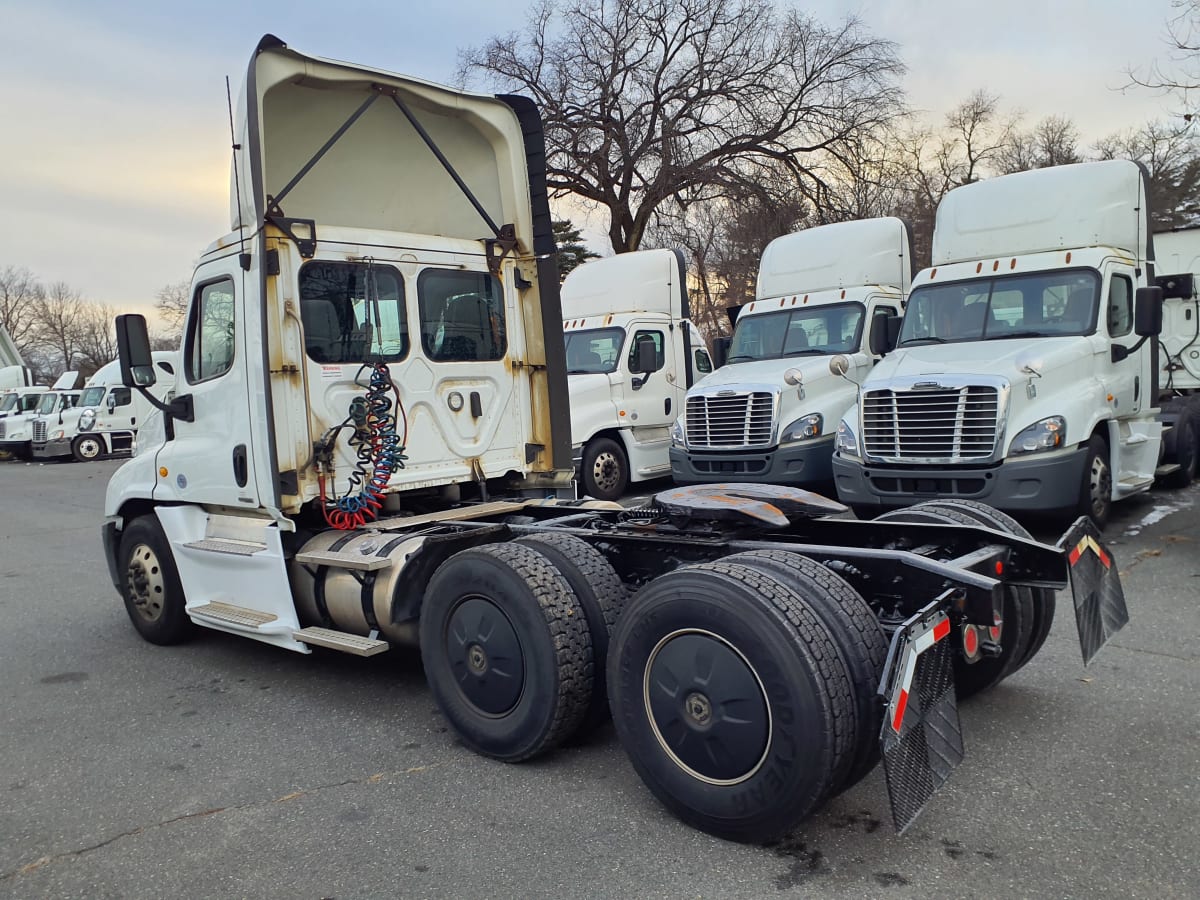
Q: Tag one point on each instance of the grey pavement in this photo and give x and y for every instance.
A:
(226, 767)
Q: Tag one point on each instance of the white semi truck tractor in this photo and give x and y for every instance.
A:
(632, 354)
(1028, 370)
(769, 413)
(368, 449)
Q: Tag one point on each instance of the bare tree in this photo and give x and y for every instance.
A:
(171, 302)
(95, 337)
(20, 292)
(59, 311)
(1179, 73)
(644, 100)
(1054, 141)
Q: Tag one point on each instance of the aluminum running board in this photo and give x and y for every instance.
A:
(228, 614)
(225, 545)
(354, 644)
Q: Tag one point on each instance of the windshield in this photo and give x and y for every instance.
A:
(8, 402)
(1015, 306)
(811, 331)
(46, 404)
(92, 396)
(594, 352)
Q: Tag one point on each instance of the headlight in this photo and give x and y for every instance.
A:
(677, 435)
(803, 429)
(57, 434)
(846, 442)
(1048, 434)
(87, 419)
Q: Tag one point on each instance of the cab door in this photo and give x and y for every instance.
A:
(650, 399)
(1128, 380)
(210, 459)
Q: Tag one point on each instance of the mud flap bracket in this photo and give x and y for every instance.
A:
(921, 740)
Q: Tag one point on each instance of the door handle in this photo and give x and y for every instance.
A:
(667, 406)
(240, 469)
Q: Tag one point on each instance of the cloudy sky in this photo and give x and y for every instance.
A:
(115, 148)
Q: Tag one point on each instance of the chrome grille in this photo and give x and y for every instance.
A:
(731, 420)
(954, 424)
(39, 430)
(3, 429)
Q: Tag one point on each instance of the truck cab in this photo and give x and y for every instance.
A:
(1025, 372)
(19, 432)
(21, 400)
(105, 421)
(769, 413)
(624, 399)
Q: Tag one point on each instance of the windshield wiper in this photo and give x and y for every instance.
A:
(739, 356)
(810, 351)
(921, 340)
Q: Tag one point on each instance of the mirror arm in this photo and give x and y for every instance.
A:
(180, 408)
(1120, 351)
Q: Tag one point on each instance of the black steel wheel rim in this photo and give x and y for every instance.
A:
(707, 707)
(485, 656)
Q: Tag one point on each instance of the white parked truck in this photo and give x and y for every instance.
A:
(624, 399)
(16, 430)
(769, 413)
(17, 390)
(1027, 369)
(1177, 257)
(367, 444)
(105, 422)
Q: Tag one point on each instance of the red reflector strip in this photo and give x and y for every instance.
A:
(940, 630)
(1074, 555)
(901, 705)
(1103, 557)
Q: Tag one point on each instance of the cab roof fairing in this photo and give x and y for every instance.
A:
(379, 174)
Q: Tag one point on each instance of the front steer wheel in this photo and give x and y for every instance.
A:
(150, 584)
(605, 469)
(507, 651)
(86, 448)
(731, 700)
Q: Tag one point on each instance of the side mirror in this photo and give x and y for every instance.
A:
(112, 401)
(1148, 311)
(885, 330)
(133, 350)
(647, 357)
(721, 351)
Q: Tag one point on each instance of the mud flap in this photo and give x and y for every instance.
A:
(921, 740)
(1096, 591)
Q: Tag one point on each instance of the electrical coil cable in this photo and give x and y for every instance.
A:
(378, 447)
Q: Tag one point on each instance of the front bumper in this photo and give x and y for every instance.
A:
(16, 448)
(52, 449)
(807, 463)
(1034, 484)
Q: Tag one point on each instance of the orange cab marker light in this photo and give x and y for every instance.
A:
(978, 267)
(933, 273)
(1068, 256)
(995, 265)
(162, 472)
(1013, 263)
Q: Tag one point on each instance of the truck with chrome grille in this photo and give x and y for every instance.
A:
(369, 451)
(1026, 371)
(768, 414)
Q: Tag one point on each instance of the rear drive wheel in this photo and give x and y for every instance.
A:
(856, 632)
(602, 597)
(1095, 491)
(86, 448)
(730, 699)
(1013, 631)
(1043, 599)
(605, 469)
(150, 584)
(506, 650)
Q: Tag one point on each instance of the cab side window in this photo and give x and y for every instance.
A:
(703, 363)
(121, 396)
(659, 342)
(462, 316)
(1120, 306)
(210, 332)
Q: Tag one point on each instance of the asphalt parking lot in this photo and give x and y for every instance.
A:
(227, 767)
